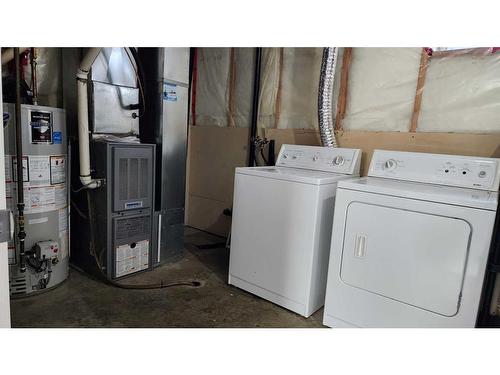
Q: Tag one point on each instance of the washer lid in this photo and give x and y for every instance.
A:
(294, 174)
(483, 199)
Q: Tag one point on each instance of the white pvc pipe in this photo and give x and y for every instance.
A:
(83, 118)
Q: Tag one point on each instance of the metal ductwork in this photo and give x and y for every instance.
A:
(326, 80)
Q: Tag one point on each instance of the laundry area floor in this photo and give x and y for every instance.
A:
(83, 301)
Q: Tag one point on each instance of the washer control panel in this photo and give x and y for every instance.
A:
(328, 159)
(451, 170)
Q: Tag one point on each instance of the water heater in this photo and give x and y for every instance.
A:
(45, 176)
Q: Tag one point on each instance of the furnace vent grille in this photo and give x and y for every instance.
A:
(133, 179)
(133, 175)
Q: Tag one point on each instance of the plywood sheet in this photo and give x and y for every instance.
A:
(213, 155)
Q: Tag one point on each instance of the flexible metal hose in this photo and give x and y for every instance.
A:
(325, 114)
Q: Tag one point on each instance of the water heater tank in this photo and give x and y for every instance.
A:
(45, 176)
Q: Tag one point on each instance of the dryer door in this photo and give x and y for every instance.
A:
(412, 257)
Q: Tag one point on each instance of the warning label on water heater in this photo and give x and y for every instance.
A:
(44, 182)
(57, 169)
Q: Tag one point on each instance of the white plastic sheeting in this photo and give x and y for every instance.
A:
(212, 86)
(462, 94)
(269, 84)
(299, 88)
(299, 81)
(243, 86)
(381, 89)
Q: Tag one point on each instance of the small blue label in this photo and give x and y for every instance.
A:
(57, 138)
(169, 92)
(129, 205)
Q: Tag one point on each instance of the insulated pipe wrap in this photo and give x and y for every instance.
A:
(325, 94)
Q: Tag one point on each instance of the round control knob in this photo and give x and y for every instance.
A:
(338, 160)
(482, 174)
(390, 164)
(315, 157)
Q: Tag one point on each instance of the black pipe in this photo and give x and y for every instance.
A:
(33, 75)
(255, 106)
(271, 158)
(21, 235)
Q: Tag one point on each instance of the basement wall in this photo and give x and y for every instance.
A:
(460, 114)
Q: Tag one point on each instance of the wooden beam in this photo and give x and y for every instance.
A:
(344, 79)
(424, 62)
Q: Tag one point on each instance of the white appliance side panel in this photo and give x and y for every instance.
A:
(362, 308)
(411, 257)
(322, 241)
(272, 235)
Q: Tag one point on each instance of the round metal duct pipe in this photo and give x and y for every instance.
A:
(325, 114)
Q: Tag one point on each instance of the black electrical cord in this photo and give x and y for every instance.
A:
(162, 284)
(263, 157)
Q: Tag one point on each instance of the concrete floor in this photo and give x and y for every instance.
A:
(83, 301)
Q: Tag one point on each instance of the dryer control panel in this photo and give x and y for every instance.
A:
(451, 170)
(328, 159)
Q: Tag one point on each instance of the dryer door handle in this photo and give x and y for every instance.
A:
(360, 246)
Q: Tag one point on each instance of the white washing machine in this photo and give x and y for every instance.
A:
(281, 228)
(410, 242)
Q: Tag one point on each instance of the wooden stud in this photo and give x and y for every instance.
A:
(424, 63)
(344, 78)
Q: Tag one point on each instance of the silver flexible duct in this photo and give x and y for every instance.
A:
(325, 114)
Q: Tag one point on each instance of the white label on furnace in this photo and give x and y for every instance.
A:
(39, 170)
(57, 169)
(132, 259)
